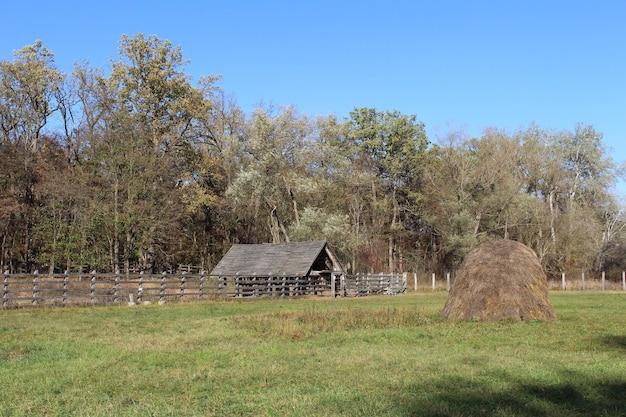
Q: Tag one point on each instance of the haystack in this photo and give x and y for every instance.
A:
(500, 280)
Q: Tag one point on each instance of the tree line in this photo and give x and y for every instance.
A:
(138, 166)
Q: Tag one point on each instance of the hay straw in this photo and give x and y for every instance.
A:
(500, 280)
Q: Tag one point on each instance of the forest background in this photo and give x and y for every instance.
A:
(139, 168)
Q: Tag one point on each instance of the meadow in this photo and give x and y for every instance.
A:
(374, 356)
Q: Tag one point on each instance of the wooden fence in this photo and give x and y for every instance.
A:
(362, 285)
(19, 290)
(595, 281)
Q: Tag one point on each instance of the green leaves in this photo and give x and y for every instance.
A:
(395, 143)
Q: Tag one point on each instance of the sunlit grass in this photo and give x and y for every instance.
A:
(312, 322)
(383, 356)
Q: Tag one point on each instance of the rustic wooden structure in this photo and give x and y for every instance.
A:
(292, 268)
(35, 290)
(284, 270)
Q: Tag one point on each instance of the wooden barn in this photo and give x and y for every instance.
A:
(286, 269)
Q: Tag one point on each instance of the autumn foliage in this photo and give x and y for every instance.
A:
(139, 168)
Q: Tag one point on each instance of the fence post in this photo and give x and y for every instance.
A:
(414, 281)
(162, 288)
(404, 282)
(603, 281)
(448, 281)
(116, 291)
(140, 288)
(563, 280)
(333, 280)
(285, 291)
(201, 288)
(583, 278)
(433, 280)
(255, 287)
(66, 277)
(623, 280)
(182, 285)
(5, 290)
(343, 285)
(35, 286)
(92, 286)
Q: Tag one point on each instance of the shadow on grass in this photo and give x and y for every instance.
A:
(615, 342)
(460, 397)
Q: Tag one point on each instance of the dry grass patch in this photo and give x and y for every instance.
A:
(303, 324)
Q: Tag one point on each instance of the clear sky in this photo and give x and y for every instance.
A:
(454, 64)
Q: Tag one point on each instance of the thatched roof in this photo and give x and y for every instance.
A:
(295, 259)
(500, 280)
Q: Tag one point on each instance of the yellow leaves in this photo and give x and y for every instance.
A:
(28, 90)
(202, 188)
(195, 197)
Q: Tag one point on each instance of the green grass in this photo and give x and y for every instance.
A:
(378, 356)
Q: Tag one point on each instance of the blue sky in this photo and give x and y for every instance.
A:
(454, 64)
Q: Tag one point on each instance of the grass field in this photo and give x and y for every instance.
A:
(377, 356)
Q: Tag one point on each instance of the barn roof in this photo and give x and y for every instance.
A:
(293, 259)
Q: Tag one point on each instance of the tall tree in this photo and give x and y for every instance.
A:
(266, 189)
(394, 146)
(28, 91)
(154, 88)
(571, 173)
(473, 194)
(147, 145)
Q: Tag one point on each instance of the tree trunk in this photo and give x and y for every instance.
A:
(127, 251)
(477, 223)
(274, 227)
(293, 202)
(552, 215)
(116, 238)
(391, 261)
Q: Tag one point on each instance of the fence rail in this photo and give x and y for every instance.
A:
(20, 290)
(600, 281)
(368, 284)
